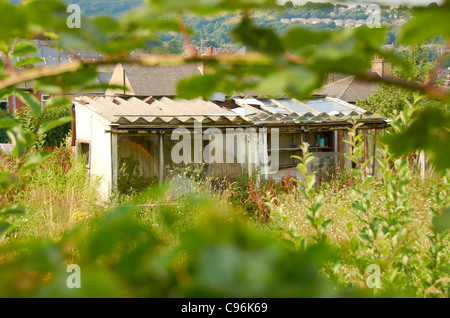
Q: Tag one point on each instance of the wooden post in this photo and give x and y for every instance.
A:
(114, 163)
(206, 156)
(74, 126)
(161, 157)
(341, 143)
(423, 165)
(366, 149)
(248, 153)
(374, 151)
(263, 152)
(124, 80)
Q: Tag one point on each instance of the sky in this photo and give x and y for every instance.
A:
(390, 2)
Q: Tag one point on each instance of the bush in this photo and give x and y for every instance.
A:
(55, 137)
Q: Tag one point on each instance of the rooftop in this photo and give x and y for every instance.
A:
(349, 89)
(165, 111)
(158, 80)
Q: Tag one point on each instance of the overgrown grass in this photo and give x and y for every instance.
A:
(56, 195)
(60, 198)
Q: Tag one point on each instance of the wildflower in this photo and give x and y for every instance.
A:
(79, 216)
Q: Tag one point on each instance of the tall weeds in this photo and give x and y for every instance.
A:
(54, 195)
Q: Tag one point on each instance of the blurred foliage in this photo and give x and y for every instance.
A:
(220, 256)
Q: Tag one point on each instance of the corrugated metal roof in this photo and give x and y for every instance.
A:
(135, 111)
(181, 111)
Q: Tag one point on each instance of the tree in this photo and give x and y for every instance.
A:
(174, 47)
(288, 4)
(155, 46)
(390, 98)
(210, 43)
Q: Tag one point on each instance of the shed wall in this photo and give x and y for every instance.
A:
(101, 160)
(91, 129)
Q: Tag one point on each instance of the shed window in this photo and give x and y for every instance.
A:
(4, 105)
(84, 150)
(44, 100)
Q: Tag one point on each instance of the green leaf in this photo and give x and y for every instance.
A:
(196, 86)
(367, 182)
(12, 209)
(4, 226)
(260, 39)
(292, 229)
(302, 168)
(299, 38)
(31, 101)
(350, 226)
(442, 222)
(70, 41)
(319, 197)
(53, 124)
(36, 159)
(22, 139)
(311, 220)
(85, 76)
(434, 18)
(309, 158)
(371, 37)
(359, 206)
(430, 132)
(58, 101)
(7, 122)
(107, 24)
(206, 6)
(6, 181)
(24, 48)
(303, 192)
(354, 244)
(326, 225)
(28, 61)
(366, 237)
(297, 81)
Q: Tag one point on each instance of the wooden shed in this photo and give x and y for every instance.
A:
(128, 137)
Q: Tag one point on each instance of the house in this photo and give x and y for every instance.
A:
(350, 89)
(149, 137)
(12, 105)
(150, 80)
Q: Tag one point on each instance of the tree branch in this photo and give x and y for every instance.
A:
(249, 58)
(432, 76)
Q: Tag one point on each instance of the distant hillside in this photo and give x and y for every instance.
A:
(215, 30)
(113, 8)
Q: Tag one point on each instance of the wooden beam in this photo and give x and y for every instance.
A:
(314, 111)
(275, 102)
(423, 165)
(114, 163)
(263, 152)
(74, 126)
(374, 151)
(366, 149)
(161, 158)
